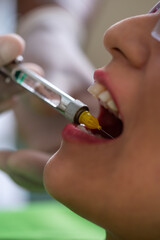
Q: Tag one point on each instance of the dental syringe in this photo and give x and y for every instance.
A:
(74, 110)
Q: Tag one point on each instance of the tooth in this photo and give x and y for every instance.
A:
(104, 104)
(82, 128)
(96, 89)
(99, 91)
(104, 96)
(112, 105)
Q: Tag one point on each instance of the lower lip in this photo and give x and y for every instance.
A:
(73, 134)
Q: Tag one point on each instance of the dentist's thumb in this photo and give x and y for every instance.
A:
(11, 45)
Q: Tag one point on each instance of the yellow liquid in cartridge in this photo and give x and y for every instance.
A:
(89, 121)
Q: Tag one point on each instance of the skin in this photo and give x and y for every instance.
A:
(38, 125)
(25, 167)
(11, 46)
(37, 120)
(115, 184)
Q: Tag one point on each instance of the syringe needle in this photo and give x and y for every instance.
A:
(107, 134)
(73, 109)
(92, 123)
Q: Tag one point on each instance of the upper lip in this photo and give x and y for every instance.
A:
(102, 77)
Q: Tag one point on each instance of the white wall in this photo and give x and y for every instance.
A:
(111, 12)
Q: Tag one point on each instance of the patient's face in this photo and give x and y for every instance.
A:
(116, 182)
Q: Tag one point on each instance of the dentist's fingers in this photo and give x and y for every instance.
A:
(11, 45)
(25, 167)
(9, 91)
(28, 163)
(4, 155)
(8, 104)
(35, 68)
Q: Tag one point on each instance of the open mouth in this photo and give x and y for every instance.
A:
(109, 116)
(109, 119)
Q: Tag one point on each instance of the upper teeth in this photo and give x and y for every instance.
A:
(100, 92)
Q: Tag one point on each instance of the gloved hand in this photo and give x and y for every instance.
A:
(54, 40)
(25, 167)
(11, 46)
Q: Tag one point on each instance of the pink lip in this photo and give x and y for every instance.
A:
(75, 135)
(102, 77)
